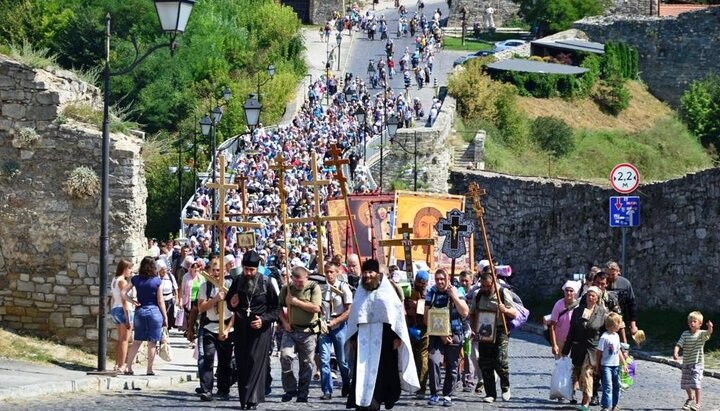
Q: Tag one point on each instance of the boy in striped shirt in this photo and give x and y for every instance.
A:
(692, 343)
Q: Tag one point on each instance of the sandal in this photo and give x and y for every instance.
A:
(150, 373)
(129, 372)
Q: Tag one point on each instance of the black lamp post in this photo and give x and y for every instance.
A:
(360, 116)
(338, 39)
(173, 16)
(328, 66)
(271, 75)
(392, 125)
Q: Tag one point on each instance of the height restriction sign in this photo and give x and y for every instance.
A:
(624, 178)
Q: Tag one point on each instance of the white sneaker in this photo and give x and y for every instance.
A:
(506, 395)
(488, 399)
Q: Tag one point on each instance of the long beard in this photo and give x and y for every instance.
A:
(250, 284)
(371, 284)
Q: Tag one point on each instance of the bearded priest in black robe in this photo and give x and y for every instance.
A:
(379, 343)
(254, 300)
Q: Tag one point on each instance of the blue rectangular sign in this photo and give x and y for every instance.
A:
(625, 211)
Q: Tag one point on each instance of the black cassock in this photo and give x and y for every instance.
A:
(252, 346)
(387, 382)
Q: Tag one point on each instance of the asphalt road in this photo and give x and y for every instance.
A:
(657, 388)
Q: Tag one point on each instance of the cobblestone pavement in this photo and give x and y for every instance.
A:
(656, 388)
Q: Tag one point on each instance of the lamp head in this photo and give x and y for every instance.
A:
(217, 114)
(271, 71)
(174, 14)
(252, 109)
(205, 125)
(227, 93)
(338, 38)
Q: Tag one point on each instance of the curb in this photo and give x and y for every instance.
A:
(98, 384)
(642, 355)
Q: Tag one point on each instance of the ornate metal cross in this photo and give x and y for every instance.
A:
(407, 243)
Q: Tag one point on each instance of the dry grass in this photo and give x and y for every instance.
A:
(36, 350)
(644, 111)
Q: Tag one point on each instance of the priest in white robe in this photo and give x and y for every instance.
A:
(379, 344)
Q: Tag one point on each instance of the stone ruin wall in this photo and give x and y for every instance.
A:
(547, 229)
(674, 51)
(49, 241)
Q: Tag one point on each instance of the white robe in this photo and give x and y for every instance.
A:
(370, 309)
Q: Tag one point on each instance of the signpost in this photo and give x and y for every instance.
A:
(624, 211)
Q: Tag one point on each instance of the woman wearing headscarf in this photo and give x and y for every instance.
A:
(586, 326)
(559, 324)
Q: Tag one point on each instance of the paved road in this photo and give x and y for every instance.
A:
(657, 388)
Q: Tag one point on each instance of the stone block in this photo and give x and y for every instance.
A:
(26, 154)
(73, 322)
(63, 280)
(24, 277)
(56, 319)
(91, 301)
(79, 257)
(31, 326)
(6, 124)
(47, 98)
(43, 288)
(50, 297)
(91, 334)
(14, 310)
(59, 290)
(13, 110)
(41, 304)
(38, 279)
(78, 290)
(12, 95)
(3, 310)
(79, 310)
(700, 233)
(68, 300)
(25, 286)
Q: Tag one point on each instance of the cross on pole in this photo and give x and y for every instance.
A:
(455, 228)
(220, 223)
(474, 191)
(338, 162)
(280, 167)
(318, 219)
(241, 181)
(407, 243)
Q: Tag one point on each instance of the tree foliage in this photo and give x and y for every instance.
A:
(700, 109)
(553, 135)
(552, 16)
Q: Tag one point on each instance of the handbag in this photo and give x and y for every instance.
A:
(164, 351)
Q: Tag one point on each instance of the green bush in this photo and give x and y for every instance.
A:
(612, 96)
(553, 135)
(620, 60)
(700, 109)
(592, 62)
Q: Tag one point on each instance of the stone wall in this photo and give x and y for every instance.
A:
(674, 51)
(504, 11)
(49, 241)
(433, 153)
(633, 8)
(547, 229)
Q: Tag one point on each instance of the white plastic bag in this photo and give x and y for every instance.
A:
(561, 385)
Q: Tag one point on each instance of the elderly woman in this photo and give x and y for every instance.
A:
(150, 315)
(586, 326)
(559, 323)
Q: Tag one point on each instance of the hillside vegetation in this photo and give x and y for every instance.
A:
(647, 133)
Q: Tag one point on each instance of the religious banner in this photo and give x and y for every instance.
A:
(381, 219)
(338, 234)
(361, 217)
(422, 211)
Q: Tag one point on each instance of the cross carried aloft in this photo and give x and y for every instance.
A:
(338, 162)
(219, 221)
(407, 243)
(318, 218)
(456, 227)
(474, 191)
(241, 181)
(280, 167)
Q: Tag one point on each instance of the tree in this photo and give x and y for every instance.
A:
(553, 135)
(700, 109)
(552, 16)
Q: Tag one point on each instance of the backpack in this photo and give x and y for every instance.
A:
(522, 313)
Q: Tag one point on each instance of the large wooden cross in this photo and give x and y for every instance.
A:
(318, 218)
(338, 162)
(407, 243)
(474, 191)
(280, 167)
(221, 224)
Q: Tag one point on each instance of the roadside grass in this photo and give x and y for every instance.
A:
(471, 44)
(19, 347)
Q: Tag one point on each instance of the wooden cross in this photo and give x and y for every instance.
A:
(219, 221)
(241, 181)
(280, 167)
(318, 218)
(407, 243)
(338, 162)
(474, 191)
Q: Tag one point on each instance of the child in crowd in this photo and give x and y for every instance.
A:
(692, 343)
(609, 358)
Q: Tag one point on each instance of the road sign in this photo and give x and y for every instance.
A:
(624, 211)
(624, 178)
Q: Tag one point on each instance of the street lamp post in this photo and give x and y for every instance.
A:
(391, 125)
(173, 16)
(271, 75)
(328, 66)
(252, 108)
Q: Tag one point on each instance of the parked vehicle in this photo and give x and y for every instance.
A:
(508, 44)
(480, 53)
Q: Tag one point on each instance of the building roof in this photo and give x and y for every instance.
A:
(531, 66)
(572, 44)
